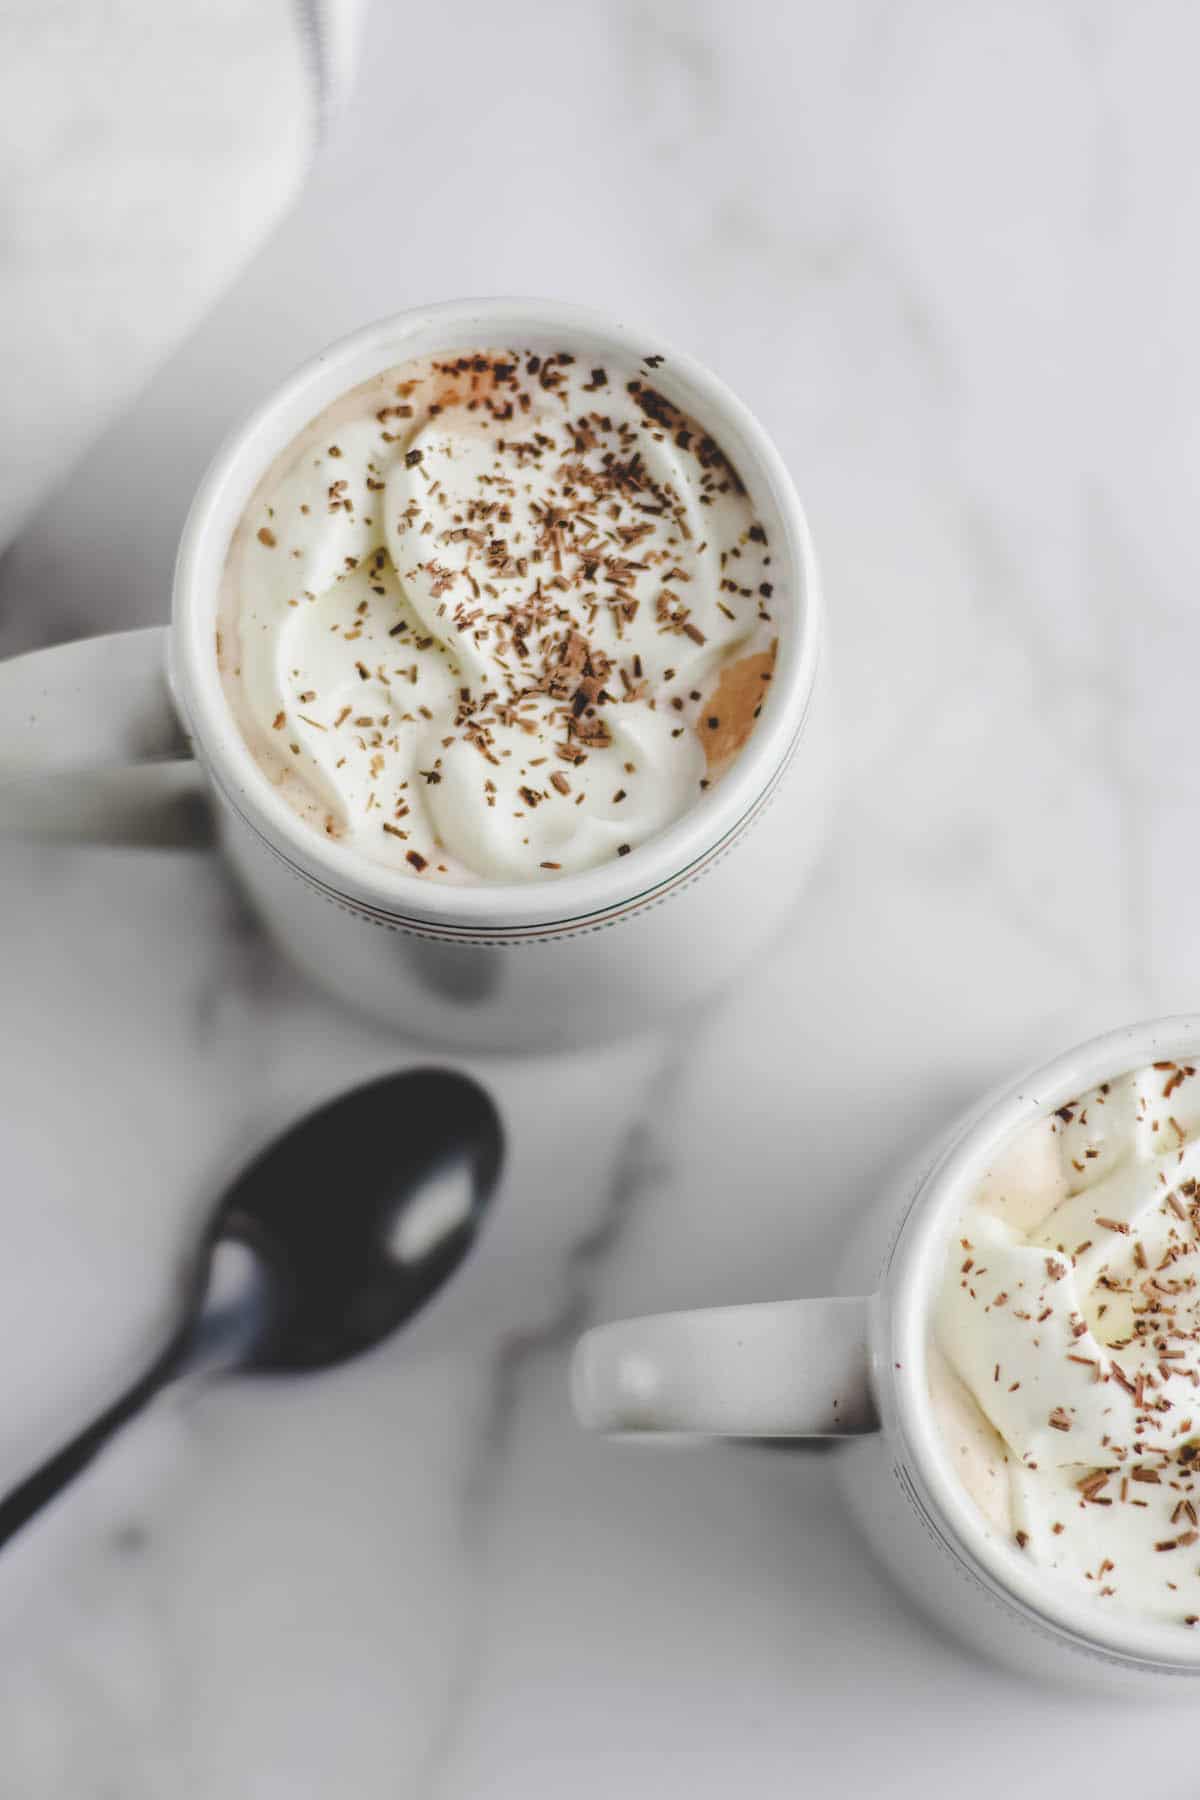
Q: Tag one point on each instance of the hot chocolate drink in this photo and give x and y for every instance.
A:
(1065, 1362)
(498, 616)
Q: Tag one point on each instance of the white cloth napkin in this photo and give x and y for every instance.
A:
(148, 147)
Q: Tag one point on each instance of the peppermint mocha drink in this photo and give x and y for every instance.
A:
(498, 616)
(1065, 1366)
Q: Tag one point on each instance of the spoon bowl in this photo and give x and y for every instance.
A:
(361, 1212)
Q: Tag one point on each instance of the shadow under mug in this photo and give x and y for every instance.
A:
(129, 740)
(856, 1369)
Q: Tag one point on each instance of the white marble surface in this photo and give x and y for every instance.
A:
(949, 254)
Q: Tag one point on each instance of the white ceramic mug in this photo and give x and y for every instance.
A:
(589, 955)
(855, 1368)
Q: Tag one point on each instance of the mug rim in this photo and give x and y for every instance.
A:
(573, 901)
(914, 1269)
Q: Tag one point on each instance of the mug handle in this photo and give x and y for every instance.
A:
(791, 1368)
(91, 749)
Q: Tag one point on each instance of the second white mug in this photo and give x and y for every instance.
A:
(857, 1368)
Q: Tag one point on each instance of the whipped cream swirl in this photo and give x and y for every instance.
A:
(498, 616)
(1067, 1360)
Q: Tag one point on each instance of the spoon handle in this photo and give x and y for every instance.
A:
(215, 1339)
(29, 1497)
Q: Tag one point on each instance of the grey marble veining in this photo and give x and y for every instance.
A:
(949, 255)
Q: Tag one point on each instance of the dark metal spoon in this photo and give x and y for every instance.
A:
(334, 1235)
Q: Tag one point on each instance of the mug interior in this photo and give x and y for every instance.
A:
(460, 325)
(909, 1287)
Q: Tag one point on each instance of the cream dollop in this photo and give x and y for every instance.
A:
(480, 644)
(1069, 1325)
